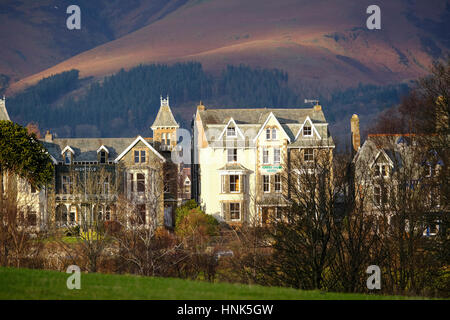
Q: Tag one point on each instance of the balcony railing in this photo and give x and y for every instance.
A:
(166, 147)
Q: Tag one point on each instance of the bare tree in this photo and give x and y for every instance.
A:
(407, 206)
(142, 240)
(355, 238)
(19, 241)
(95, 192)
(302, 238)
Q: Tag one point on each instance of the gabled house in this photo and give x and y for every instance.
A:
(389, 169)
(92, 174)
(239, 156)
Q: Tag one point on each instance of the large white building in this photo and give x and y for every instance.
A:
(239, 155)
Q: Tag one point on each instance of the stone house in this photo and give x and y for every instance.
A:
(93, 174)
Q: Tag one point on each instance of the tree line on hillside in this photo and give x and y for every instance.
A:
(363, 100)
(126, 103)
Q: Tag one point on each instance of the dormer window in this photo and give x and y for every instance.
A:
(102, 157)
(102, 154)
(231, 132)
(67, 155)
(307, 130)
(67, 158)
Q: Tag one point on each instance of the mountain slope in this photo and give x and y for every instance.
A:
(320, 41)
(34, 35)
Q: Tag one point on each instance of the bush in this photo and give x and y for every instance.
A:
(191, 219)
(72, 232)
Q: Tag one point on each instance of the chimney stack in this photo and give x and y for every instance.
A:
(48, 136)
(356, 137)
(3, 112)
(201, 107)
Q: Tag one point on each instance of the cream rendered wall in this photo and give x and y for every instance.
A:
(211, 160)
(37, 202)
(280, 142)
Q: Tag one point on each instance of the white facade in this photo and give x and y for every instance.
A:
(240, 154)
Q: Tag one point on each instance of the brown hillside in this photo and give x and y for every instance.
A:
(316, 40)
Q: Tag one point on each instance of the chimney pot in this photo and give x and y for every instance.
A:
(48, 136)
(201, 107)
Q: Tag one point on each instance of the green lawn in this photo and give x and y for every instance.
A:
(44, 284)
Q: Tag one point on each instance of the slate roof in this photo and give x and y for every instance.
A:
(3, 112)
(398, 148)
(249, 122)
(86, 148)
(259, 115)
(164, 118)
(391, 144)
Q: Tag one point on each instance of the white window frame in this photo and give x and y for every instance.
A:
(279, 183)
(268, 134)
(106, 186)
(381, 194)
(265, 160)
(275, 160)
(67, 157)
(233, 153)
(239, 206)
(68, 183)
(274, 133)
(231, 129)
(238, 186)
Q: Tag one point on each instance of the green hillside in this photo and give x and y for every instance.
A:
(44, 284)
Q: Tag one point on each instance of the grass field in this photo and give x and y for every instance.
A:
(44, 284)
